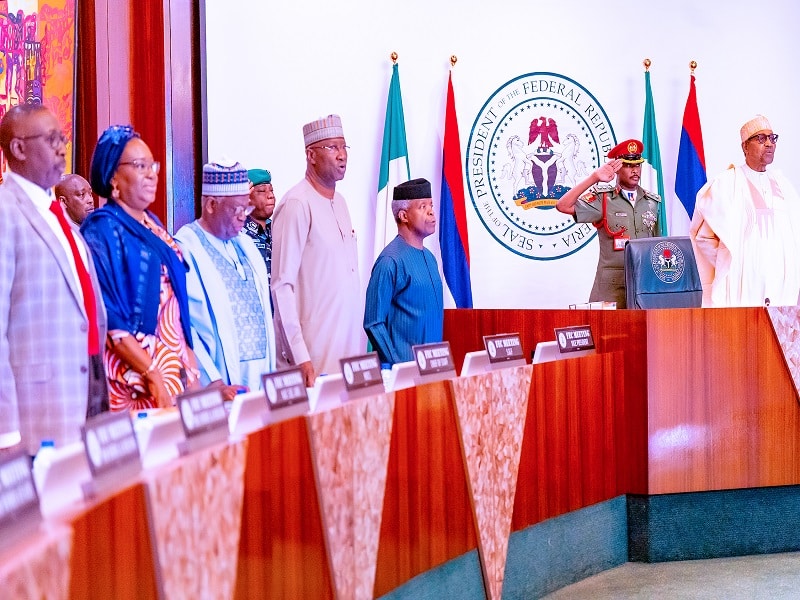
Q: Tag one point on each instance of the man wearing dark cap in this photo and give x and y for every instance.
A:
(259, 223)
(316, 291)
(620, 213)
(404, 303)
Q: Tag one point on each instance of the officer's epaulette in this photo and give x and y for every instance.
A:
(652, 196)
(595, 191)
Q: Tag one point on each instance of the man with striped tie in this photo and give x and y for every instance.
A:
(620, 213)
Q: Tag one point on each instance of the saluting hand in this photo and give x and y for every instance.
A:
(607, 171)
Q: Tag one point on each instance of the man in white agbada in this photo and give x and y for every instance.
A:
(227, 283)
(316, 291)
(746, 229)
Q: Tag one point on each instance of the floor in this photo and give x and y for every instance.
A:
(770, 576)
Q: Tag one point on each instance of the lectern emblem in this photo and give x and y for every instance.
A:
(667, 261)
(536, 137)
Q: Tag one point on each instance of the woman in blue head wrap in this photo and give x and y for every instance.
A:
(148, 355)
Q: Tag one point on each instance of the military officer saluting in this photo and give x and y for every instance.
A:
(620, 212)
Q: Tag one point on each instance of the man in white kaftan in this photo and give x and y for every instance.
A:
(746, 229)
(315, 283)
(228, 284)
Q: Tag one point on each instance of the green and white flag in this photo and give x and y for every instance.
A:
(652, 175)
(394, 164)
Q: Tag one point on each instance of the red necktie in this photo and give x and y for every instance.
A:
(89, 302)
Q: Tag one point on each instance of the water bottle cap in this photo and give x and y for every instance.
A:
(48, 444)
(141, 415)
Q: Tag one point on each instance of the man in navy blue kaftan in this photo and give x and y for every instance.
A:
(404, 304)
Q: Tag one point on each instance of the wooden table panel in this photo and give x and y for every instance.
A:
(723, 410)
(572, 450)
(282, 548)
(112, 553)
(623, 331)
(427, 515)
(675, 400)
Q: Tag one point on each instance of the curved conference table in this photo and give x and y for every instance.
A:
(678, 439)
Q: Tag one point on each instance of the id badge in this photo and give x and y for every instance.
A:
(619, 242)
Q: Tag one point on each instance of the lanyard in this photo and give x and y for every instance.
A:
(603, 223)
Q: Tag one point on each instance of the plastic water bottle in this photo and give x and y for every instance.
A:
(42, 461)
(386, 374)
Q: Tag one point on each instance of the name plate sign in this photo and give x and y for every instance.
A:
(202, 411)
(503, 347)
(285, 388)
(110, 442)
(19, 503)
(204, 419)
(433, 358)
(574, 339)
(361, 372)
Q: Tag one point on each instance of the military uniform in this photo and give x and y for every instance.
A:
(639, 220)
(624, 219)
(262, 237)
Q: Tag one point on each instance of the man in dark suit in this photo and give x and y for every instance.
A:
(52, 319)
(75, 195)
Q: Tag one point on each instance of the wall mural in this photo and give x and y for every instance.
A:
(37, 58)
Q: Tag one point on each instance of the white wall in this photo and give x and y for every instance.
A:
(271, 68)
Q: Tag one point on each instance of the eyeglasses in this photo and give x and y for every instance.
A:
(335, 148)
(243, 211)
(761, 138)
(142, 166)
(53, 138)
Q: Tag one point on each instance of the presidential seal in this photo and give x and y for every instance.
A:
(534, 139)
(667, 261)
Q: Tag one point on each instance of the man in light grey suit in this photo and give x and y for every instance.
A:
(51, 374)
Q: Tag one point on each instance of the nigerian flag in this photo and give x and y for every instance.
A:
(394, 164)
(652, 176)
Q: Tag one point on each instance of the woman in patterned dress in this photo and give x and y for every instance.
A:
(148, 355)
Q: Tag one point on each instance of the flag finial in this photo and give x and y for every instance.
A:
(393, 56)
(647, 62)
(453, 60)
(692, 66)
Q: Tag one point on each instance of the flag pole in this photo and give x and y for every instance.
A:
(394, 166)
(652, 173)
(453, 230)
(690, 175)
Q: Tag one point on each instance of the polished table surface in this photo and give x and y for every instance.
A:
(674, 401)
(703, 398)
